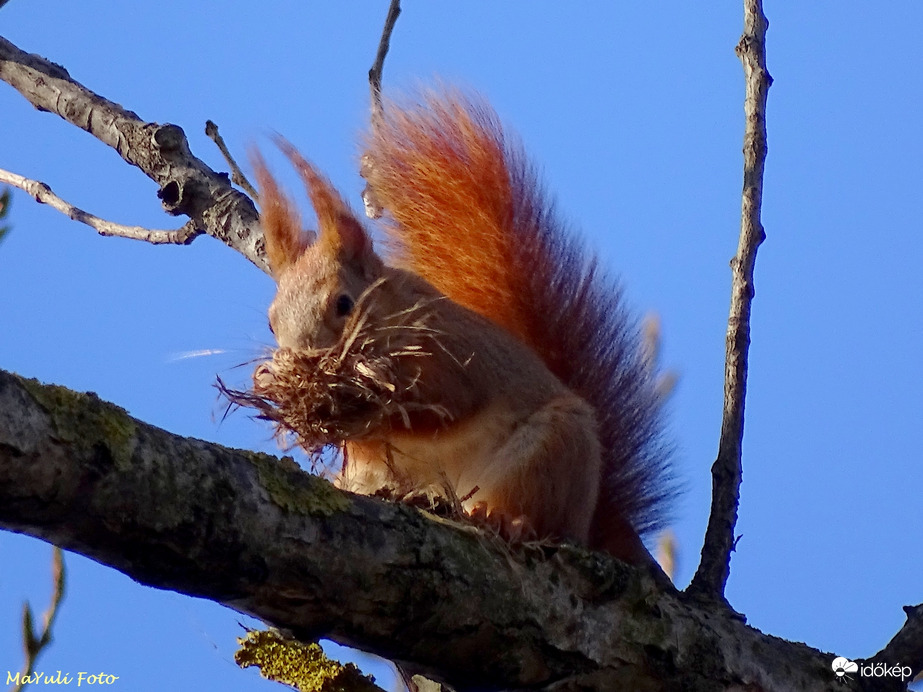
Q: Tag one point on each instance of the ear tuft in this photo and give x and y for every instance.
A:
(340, 231)
(282, 230)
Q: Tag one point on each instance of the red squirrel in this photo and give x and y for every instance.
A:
(518, 378)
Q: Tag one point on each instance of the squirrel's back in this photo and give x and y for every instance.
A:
(466, 211)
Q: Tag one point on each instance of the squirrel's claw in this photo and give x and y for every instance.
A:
(511, 528)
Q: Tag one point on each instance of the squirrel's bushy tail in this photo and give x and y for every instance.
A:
(466, 211)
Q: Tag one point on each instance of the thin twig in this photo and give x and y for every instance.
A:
(42, 193)
(5, 198)
(375, 73)
(237, 175)
(373, 208)
(713, 571)
(665, 382)
(35, 645)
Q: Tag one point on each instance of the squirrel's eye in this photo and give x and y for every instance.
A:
(344, 305)
(271, 330)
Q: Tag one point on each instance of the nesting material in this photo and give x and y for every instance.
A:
(359, 388)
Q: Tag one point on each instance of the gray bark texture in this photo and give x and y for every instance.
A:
(187, 185)
(262, 536)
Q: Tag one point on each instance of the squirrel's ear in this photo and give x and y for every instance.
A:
(340, 231)
(282, 231)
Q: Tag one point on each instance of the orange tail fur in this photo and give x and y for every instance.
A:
(467, 213)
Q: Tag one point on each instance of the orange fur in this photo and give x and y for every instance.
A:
(525, 391)
(468, 214)
(339, 228)
(282, 232)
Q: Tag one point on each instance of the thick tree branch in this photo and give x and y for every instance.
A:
(265, 538)
(712, 575)
(187, 185)
(906, 647)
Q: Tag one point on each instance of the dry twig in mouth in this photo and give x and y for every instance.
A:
(355, 389)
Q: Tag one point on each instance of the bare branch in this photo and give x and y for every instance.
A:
(265, 538)
(711, 577)
(375, 73)
(187, 185)
(373, 208)
(665, 381)
(42, 193)
(35, 645)
(5, 199)
(237, 175)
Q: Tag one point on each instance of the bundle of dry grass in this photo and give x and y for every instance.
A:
(363, 385)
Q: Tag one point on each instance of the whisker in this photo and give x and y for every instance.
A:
(185, 355)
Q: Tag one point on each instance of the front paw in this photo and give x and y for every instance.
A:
(426, 499)
(513, 528)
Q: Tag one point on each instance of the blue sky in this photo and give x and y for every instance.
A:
(634, 114)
